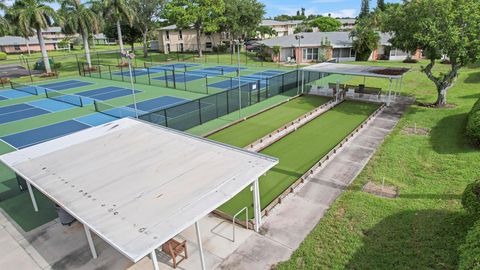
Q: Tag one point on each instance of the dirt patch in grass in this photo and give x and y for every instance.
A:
(378, 190)
(416, 131)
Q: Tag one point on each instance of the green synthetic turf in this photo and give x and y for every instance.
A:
(261, 125)
(300, 150)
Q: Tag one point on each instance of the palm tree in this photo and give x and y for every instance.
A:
(78, 18)
(4, 24)
(28, 14)
(119, 11)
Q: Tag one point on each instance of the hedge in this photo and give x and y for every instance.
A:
(3, 56)
(473, 124)
(470, 250)
(471, 199)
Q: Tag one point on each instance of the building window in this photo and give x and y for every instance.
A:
(309, 54)
(353, 53)
(167, 35)
(208, 45)
(16, 47)
(397, 52)
(181, 47)
(180, 34)
(343, 53)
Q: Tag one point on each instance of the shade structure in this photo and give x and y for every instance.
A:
(358, 70)
(134, 184)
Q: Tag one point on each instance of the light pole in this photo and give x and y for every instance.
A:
(299, 38)
(129, 57)
(239, 84)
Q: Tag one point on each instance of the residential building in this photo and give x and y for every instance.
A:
(347, 23)
(283, 28)
(322, 46)
(54, 33)
(173, 39)
(14, 44)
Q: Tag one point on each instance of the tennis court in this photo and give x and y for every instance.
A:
(31, 109)
(13, 94)
(64, 85)
(155, 69)
(300, 150)
(106, 93)
(260, 78)
(41, 134)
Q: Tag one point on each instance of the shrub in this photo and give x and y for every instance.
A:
(3, 56)
(410, 61)
(470, 250)
(473, 124)
(471, 199)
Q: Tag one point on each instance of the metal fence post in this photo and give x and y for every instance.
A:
(206, 83)
(148, 73)
(200, 111)
(29, 70)
(174, 79)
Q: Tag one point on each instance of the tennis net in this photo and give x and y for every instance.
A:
(24, 88)
(110, 110)
(66, 98)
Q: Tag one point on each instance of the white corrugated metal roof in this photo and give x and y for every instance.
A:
(358, 70)
(134, 184)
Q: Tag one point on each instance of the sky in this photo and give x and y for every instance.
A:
(337, 8)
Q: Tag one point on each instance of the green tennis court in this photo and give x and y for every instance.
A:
(300, 150)
(262, 124)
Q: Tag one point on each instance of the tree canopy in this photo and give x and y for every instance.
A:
(325, 24)
(205, 16)
(449, 28)
(242, 17)
(364, 8)
(365, 38)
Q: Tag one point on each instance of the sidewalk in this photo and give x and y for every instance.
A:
(288, 225)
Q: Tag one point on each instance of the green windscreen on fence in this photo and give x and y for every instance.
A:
(196, 112)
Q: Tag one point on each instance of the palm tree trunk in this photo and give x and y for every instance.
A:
(87, 49)
(120, 40)
(41, 41)
(28, 45)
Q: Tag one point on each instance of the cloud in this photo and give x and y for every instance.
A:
(342, 13)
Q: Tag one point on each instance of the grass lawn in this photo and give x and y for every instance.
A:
(300, 150)
(261, 125)
(423, 228)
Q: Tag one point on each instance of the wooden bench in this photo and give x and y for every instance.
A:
(175, 249)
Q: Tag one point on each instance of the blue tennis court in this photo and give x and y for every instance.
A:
(31, 109)
(65, 85)
(13, 94)
(136, 72)
(145, 107)
(181, 77)
(107, 93)
(3, 98)
(233, 82)
(19, 112)
(42, 134)
(96, 119)
(158, 103)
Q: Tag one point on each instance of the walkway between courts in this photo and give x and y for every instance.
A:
(290, 222)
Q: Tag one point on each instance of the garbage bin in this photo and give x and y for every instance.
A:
(64, 216)
(22, 184)
(361, 88)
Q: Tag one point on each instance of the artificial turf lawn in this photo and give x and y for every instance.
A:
(262, 124)
(424, 227)
(300, 150)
